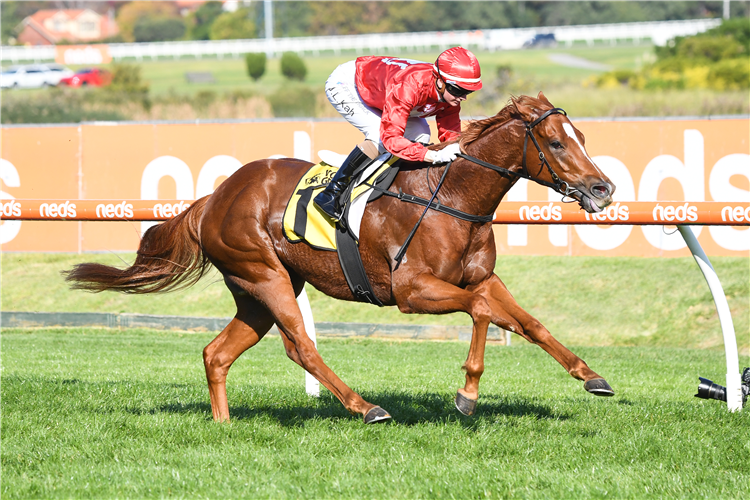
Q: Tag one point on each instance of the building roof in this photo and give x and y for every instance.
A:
(42, 15)
(36, 22)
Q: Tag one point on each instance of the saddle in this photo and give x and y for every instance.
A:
(304, 221)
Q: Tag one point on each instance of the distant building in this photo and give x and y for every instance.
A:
(51, 26)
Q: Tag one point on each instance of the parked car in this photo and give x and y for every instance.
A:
(541, 40)
(55, 73)
(23, 77)
(95, 77)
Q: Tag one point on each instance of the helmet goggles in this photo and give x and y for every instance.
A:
(456, 91)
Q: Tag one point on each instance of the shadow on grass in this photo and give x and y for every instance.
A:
(405, 408)
(292, 409)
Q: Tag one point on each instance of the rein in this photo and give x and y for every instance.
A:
(558, 184)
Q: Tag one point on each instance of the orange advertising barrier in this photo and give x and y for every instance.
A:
(92, 210)
(668, 161)
(620, 213)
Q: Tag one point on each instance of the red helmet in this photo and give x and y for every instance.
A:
(457, 66)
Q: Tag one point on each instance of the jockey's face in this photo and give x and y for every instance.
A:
(450, 97)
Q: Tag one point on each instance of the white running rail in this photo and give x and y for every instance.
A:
(734, 382)
(500, 39)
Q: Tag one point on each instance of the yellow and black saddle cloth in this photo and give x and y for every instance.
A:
(304, 221)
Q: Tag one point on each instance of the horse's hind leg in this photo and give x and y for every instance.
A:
(507, 314)
(279, 296)
(249, 325)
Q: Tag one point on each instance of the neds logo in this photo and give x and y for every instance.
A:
(66, 209)
(167, 210)
(111, 210)
(535, 212)
(736, 214)
(11, 208)
(611, 213)
(671, 213)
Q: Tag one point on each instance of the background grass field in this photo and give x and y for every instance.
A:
(101, 414)
(235, 95)
(532, 71)
(591, 301)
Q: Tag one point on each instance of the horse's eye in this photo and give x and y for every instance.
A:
(556, 144)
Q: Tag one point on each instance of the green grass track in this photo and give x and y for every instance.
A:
(94, 413)
(590, 301)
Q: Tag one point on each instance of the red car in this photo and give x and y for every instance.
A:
(93, 76)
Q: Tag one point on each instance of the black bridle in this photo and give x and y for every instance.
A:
(557, 184)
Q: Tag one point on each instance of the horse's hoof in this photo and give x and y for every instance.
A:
(376, 415)
(465, 405)
(598, 387)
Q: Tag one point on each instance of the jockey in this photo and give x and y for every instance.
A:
(387, 99)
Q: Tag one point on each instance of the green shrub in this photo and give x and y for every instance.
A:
(293, 67)
(733, 74)
(716, 59)
(203, 18)
(127, 78)
(233, 25)
(53, 109)
(159, 29)
(237, 95)
(293, 101)
(204, 99)
(256, 65)
(710, 48)
(126, 87)
(737, 28)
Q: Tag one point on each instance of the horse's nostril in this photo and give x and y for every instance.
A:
(600, 191)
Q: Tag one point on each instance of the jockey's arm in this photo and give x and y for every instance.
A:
(396, 112)
(448, 123)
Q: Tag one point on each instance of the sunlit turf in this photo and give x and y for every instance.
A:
(230, 73)
(112, 414)
(166, 75)
(593, 301)
(532, 71)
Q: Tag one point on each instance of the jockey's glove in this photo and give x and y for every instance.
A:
(444, 155)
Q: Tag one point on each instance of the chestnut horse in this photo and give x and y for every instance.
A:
(448, 266)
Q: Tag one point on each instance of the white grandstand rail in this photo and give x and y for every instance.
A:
(499, 39)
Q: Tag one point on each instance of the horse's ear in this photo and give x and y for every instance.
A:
(524, 110)
(542, 98)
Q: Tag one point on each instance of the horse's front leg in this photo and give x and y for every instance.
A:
(507, 314)
(427, 294)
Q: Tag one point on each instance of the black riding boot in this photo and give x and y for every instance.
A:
(329, 200)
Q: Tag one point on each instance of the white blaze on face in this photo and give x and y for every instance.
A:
(572, 134)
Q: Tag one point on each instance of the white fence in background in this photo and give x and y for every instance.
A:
(492, 40)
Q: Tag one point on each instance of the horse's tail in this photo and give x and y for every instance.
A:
(169, 258)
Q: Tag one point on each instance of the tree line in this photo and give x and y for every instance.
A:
(164, 21)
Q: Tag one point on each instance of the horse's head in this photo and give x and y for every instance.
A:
(569, 169)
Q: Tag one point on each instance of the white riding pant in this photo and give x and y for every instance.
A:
(341, 91)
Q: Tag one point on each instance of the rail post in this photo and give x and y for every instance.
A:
(734, 382)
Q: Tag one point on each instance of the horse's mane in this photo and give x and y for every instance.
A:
(475, 128)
